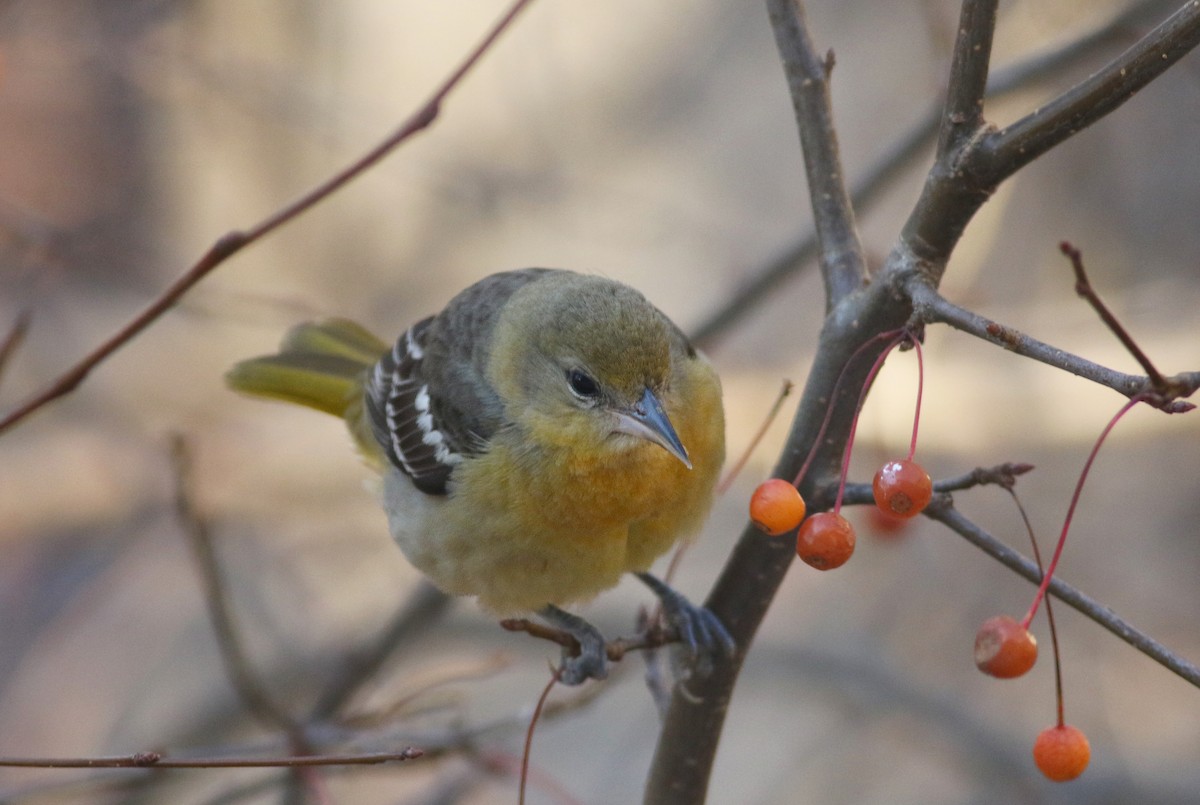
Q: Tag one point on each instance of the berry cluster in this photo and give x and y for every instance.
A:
(902, 489)
(826, 540)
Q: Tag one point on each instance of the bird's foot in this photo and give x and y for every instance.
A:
(700, 631)
(592, 660)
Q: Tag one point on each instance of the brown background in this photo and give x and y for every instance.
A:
(652, 143)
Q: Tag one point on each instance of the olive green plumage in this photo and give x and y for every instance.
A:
(543, 435)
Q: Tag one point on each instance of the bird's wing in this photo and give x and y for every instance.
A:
(429, 399)
(398, 406)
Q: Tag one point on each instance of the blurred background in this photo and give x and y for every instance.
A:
(650, 142)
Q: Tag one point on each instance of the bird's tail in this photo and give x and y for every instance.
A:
(321, 365)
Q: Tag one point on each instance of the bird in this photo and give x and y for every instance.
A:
(543, 435)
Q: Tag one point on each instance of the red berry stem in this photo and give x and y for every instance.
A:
(1037, 557)
(862, 397)
(916, 342)
(812, 453)
(1062, 539)
(533, 721)
(733, 472)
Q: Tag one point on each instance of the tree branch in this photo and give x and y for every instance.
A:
(157, 760)
(1002, 475)
(237, 665)
(692, 727)
(1006, 151)
(423, 610)
(942, 510)
(233, 242)
(963, 115)
(930, 307)
(902, 152)
(842, 265)
(965, 177)
(954, 190)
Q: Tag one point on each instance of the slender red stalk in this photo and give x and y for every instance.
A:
(862, 397)
(533, 720)
(812, 453)
(1037, 557)
(1062, 539)
(732, 474)
(912, 446)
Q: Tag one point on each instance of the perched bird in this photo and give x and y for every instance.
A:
(543, 435)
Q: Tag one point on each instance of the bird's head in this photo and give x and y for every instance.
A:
(585, 361)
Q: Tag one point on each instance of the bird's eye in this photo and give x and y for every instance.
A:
(582, 384)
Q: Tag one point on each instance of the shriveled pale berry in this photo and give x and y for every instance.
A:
(776, 507)
(825, 541)
(1062, 752)
(1004, 648)
(902, 488)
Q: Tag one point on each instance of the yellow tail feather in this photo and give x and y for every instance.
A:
(321, 365)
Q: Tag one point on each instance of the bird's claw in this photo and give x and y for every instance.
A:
(592, 660)
(700, 631)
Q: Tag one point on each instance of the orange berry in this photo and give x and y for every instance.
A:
(1062, 752)
(902, 488)
(1004, 648)
(825, 541)
(776, 507)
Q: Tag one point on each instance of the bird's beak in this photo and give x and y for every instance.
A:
(647, 420)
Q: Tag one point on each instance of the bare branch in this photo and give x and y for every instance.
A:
(956, 187)
(233, 242)
(1165, 393)
(156, 760)
(930, 306)
(422, 611)
(963, 179)
(842, 263)
(1120, 28)
(963, 115)
(1017, 145)
(237, 665)
(1002, 475)
(13, 338)
(902, 152)
(651, 637)
(942, 510)
(1083, 287)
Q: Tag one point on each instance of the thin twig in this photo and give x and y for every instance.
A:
(13, 338)
(156, 760)
(421, 612)
(1084, 288)
(1002, 475)
(653, 636)
(931, 307)
(233, 242)
(732, 473)
(942, 510)
(237, 665)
